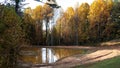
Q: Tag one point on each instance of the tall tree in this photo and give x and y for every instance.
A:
(38, 17)
(65, 26)
(47, 16)
(11, 38)
(29, 26)
(17, 5)
(69, 25)
(82, 22)
(98, 17)
(113, 27)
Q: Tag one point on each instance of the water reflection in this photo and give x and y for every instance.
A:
(46, 55)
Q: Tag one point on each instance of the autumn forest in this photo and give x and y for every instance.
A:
(83, 25)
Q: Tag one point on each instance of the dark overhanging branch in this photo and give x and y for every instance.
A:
(51, 3)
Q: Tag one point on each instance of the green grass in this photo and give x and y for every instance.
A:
(109, 63)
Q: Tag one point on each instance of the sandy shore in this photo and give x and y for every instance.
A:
(98, 55)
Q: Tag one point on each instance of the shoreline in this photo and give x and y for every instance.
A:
(94, 54)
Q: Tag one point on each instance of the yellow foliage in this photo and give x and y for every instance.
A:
(70, 12)
(99, 11)
(38, 13)
(47, 11)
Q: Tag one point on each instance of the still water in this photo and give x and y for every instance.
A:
(36, 55)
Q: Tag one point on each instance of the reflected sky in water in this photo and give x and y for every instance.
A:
(51, 56)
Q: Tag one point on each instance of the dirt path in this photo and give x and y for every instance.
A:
(98, 55)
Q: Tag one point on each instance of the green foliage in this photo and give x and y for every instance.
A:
(11, 37)
(2, 27)
(112, 30)
(116, 19)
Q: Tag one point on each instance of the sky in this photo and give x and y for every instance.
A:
(71, 3)
(63, 3)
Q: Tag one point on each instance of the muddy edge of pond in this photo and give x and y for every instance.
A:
(90, 49)
(79, 47)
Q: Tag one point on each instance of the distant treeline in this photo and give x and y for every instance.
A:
(85, 24)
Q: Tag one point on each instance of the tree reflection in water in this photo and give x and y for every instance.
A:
(46, 55)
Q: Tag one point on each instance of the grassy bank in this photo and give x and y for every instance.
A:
(109, 63)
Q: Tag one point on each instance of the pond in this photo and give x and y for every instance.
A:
(36, 55)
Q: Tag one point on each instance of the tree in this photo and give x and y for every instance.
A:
(17, 5)
(68, 25)
(38, 17)
(11, 38)
(2, 25)
(116, 19)
(98, 17)
(47, 16)
(34, 21)
(109, 5)
(55, 36)
(82, 21)
(28, 26)
(59, 32)
(112, 30)
(65, 26)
